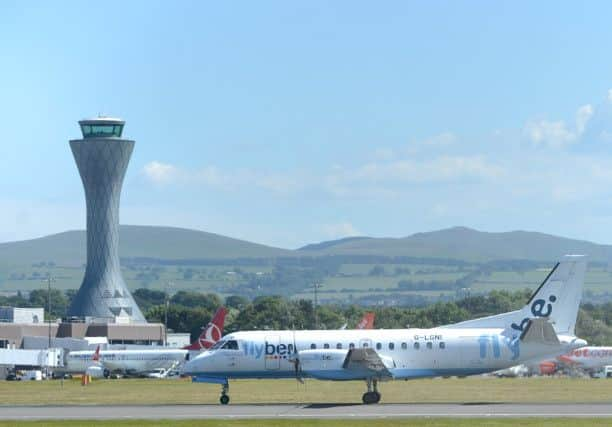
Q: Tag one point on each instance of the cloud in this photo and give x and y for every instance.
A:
(340, 230)
(216, 178)
(160, 173)
(583, 115)
(558, 134)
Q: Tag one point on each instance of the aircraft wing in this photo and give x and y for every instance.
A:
(367, 359)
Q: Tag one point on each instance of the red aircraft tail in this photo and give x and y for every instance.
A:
(96, 355)
(367, 322)
(211, 333)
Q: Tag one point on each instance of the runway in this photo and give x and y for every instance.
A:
(329, 411)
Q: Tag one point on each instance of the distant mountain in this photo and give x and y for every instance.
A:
(470, 245)
(170, 243)
(330, 244)
(69, 248)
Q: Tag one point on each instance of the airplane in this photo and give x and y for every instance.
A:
(366, 322)
(542, 328)
(211, 333)
(157, 362)
(588, 359)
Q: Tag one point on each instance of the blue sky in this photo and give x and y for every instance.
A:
(294, 122)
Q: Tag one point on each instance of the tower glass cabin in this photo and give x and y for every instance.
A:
(102, 158)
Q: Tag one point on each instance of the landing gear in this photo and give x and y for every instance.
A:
(224, 399)
(372, 395)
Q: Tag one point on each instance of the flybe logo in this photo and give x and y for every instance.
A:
(269, 350)
(539, 308)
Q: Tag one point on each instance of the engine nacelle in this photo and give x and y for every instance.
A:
(326, 364)
(95, 371)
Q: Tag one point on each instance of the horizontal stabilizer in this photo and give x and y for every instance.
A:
(539, 331)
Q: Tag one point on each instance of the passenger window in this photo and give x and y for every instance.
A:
(404, 346)
(378, 346)
(429, 345)
(339, 346)
(442, 345)
(417, 345)
(313, 346)
(325, 345)
(351, 345)
(391, 346)
(365, 345)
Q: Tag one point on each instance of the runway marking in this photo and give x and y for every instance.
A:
(289, 411)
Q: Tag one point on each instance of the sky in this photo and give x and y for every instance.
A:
(287, 123)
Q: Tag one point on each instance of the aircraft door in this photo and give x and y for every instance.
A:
(273, 359)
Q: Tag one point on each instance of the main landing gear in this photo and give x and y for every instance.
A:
(224, 399)
(372, 395)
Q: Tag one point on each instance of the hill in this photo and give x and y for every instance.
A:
(69, 248)
(466, 244)
(169, 243)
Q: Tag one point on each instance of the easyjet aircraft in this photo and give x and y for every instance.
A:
(542, 328)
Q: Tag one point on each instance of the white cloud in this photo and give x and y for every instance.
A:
(340, 230)
(583, 115)
(558, 134)
(550, 134)
(160, 173)
(442, 168)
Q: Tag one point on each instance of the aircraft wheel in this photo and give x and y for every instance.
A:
(370, 397)
(224, 399)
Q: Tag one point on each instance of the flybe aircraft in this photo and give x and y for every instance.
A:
(158, 361)
(542, 328)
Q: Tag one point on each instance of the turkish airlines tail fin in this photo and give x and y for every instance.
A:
(96, 355)
(367, 322)
(211, 333)
(557, 299)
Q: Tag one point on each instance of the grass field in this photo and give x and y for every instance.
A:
(153, 392)
(419, 422)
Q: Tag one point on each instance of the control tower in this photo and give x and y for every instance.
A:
(102, 157)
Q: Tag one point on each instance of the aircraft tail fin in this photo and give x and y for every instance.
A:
(211, 333)
(96, 355)
(367, 322)
(556, 299)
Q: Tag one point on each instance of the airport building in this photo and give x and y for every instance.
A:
(102, 157)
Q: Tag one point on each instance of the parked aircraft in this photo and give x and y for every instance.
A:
(542, 328)
(588, 359)
(366, 322)
(159, 361)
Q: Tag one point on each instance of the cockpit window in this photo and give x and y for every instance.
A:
(218, 345)
(230, 345)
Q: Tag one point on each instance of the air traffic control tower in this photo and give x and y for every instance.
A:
(102, 157)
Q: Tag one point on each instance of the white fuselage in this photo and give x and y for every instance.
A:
(126, 361)
(589, 358)
(406, 353)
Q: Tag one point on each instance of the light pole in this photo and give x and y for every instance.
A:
(166, 305)
(316, 287)
(48, 280)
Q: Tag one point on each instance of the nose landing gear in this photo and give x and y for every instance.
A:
(372, 395)
(224, 399)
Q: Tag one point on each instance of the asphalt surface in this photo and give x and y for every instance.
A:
(344, 411)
